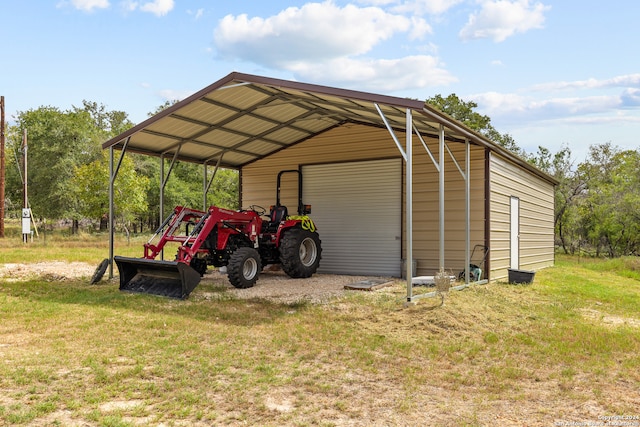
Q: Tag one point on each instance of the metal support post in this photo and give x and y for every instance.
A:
(208, 182)
(111, 214)
(467, 208)
(113, 173)
(161, 197)
(204, 185)
(409, 206)
(441, 197)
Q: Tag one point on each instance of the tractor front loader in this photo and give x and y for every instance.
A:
(243, 241)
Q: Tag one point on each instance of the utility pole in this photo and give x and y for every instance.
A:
(2, 175)
(26, 212)
(25, 197)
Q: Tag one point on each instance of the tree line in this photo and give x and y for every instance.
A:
(68, 172)
(596, 200)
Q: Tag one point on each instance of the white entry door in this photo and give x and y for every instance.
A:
(515, 233)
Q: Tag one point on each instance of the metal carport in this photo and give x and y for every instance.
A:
(242, 118)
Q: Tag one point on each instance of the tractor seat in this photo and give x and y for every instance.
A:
(276, 216)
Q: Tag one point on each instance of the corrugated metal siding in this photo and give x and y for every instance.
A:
(347, 143)
(536, 217)
(426, 206)
(357, 208)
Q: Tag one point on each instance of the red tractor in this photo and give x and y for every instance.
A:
(243, 241)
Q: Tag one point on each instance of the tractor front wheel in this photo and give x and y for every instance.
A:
(300, 252)
(244, 267)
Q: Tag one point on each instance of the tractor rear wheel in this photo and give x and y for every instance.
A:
(244, 267)
(300, 252)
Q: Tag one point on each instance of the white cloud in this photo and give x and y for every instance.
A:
(323, 42)
(88, 5)
(415, 7)
(630, 98)
(157, 7)
(495, 103)
(431, 7)
(197, 14)
(173, 95)
(519, 108)
(626, 80)
(129, 5)
(500, 19)
(576, 105)
(380, 75)
(377, 2)
(420, 28)
(616, 119)
(314, 32)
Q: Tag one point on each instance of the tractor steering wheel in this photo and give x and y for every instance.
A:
(258, 209)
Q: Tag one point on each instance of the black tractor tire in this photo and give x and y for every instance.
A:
(300, 252)
(100, 270)
(244, 267)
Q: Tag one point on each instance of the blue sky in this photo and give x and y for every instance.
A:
(548, 72)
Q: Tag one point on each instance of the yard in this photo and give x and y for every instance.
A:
(563, 350)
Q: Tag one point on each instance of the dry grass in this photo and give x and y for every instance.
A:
(563, 349)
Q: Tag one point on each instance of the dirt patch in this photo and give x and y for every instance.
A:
(610, 320)
(50, 271)
(118, 405)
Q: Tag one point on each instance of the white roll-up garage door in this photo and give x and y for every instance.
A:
(357, 209)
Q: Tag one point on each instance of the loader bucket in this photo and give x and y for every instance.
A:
(165, 278)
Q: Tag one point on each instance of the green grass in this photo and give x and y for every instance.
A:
(60, 246)
(566, 348)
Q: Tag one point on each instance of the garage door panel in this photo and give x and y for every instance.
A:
(356, 207)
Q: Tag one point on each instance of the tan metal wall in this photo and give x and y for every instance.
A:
(347, 143)
(354, 142)
(536, 217)
(426, 206)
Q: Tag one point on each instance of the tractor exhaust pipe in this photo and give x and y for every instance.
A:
(165, 278)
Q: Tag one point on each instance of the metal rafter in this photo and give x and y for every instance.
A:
(250, 112)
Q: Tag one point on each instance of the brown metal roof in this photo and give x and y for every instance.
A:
(242, 118)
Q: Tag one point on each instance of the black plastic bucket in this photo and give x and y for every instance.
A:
(521, 276)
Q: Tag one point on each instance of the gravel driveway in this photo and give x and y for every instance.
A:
(277, 286)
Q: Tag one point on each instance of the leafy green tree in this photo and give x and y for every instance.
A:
(608, 211)
(463, 111)
(58, 142)
(13, 172)
(108, 123)
(185, 187)
(91, 185)
(224, 191)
